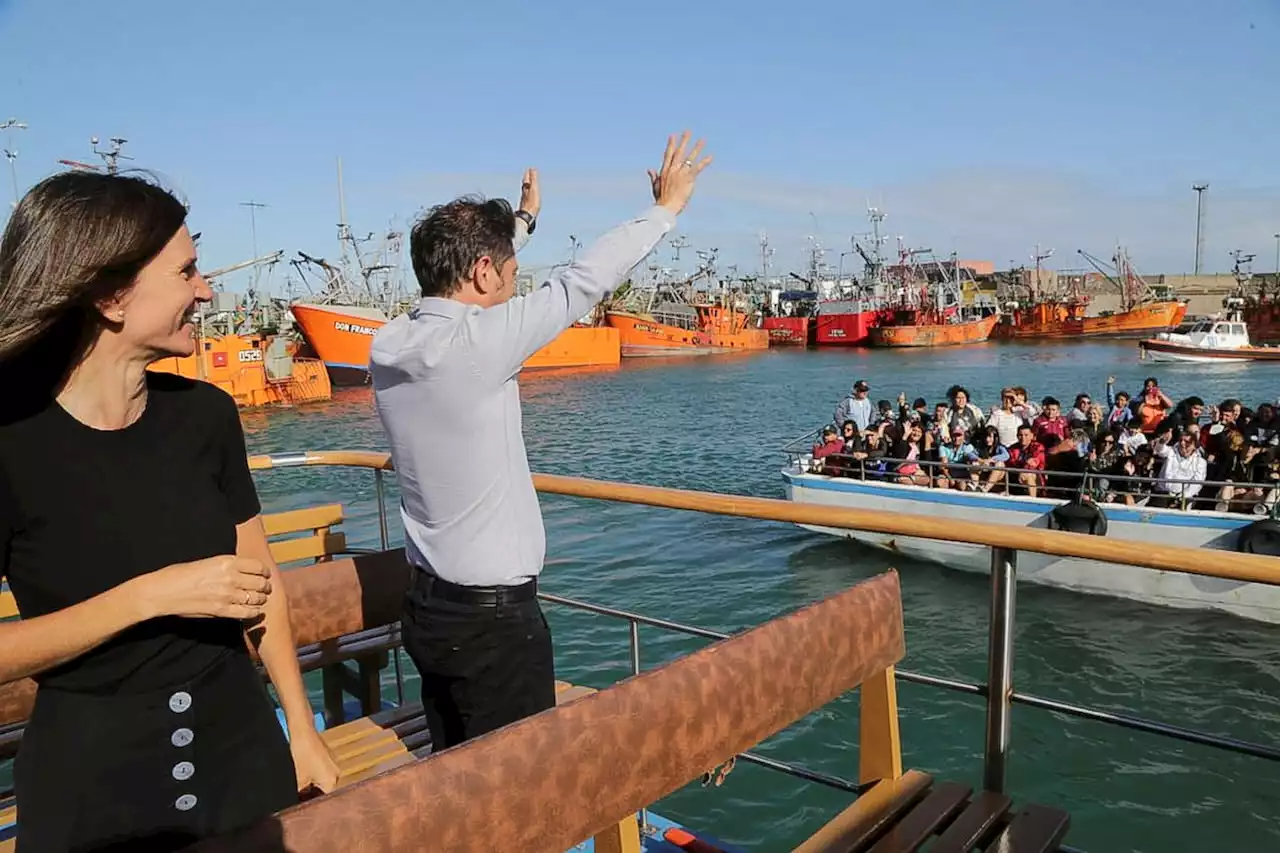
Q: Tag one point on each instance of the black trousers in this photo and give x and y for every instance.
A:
(482, 666)
(155, 771)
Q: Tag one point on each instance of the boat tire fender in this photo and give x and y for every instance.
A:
(1079, 516)
(1260, 537)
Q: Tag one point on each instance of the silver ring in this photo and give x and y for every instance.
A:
(688, 164)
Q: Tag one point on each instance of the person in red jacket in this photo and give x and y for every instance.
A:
(1051, 421)
(1027, 454)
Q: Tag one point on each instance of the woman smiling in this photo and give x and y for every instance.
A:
(131, 538)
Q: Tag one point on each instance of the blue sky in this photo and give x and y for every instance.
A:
(981, 127)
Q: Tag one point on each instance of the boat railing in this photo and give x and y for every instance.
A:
(1094, 484)
(1063, 483)
(1004, 542)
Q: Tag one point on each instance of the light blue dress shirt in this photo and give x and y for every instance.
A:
(444, 379)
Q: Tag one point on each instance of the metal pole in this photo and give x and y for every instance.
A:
(643, 815)
(382, 508)
(380, 488)
(635, 647)
(1199, 188)
(999, 668)
(1277, 236)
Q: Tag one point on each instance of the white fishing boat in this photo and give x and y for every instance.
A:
(1208, 342)
(1210, 530)
(1217, 340)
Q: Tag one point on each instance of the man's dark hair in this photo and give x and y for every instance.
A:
(450, 238)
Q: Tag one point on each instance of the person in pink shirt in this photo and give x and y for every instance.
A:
(1051, 421)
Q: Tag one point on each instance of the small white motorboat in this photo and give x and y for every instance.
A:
(1212, 341)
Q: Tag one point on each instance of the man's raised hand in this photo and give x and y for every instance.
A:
(673, 183)
(530, 197)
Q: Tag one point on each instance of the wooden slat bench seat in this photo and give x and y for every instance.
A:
(904, 815)
(369, 745)
(8, 828)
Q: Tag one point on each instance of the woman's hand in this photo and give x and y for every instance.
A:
(313, 763)
(227, 587)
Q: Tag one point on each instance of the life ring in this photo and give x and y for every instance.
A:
(1261, 537)
(1079, 516)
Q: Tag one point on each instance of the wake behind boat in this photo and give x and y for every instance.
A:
(1206, 529)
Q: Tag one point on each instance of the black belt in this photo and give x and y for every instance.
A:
(483, 596)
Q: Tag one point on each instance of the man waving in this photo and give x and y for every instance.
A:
(444, 377)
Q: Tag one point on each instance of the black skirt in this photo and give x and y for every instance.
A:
(151, 772)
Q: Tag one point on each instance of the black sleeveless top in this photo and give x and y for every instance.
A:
(83, 510)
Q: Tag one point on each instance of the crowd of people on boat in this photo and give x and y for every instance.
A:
(1135, 449)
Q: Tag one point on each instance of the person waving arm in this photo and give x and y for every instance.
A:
(509, 330)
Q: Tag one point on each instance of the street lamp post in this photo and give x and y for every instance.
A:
(1199, 188)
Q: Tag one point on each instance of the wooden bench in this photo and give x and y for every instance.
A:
(901, 815)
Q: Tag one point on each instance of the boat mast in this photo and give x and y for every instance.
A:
(1038, 256)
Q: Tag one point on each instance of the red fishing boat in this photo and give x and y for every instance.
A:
(847, 319)
(792, 321)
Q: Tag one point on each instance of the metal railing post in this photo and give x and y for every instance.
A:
(999, 668)
(635, 646)
(385, 539)
(643, 815)
(382, 508)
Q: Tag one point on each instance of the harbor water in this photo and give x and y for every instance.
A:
(717, 423)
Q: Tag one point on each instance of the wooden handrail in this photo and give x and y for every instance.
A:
(1229, 565)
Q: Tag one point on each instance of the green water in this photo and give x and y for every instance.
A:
(717, 424)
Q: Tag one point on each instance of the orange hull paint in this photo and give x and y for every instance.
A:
(936, 335)
(237, 365)
(1058, 320)
(641, 335)
(579, 346)
(343, 340)
(340, 337)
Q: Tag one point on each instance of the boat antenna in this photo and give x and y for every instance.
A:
(765, 254)
(254, 207)
(681, 242)
(1038, 257)
(11, 153)
(111, 157)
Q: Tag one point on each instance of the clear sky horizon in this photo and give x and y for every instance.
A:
(984, 130)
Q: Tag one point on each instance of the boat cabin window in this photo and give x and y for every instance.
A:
(1221, 329)
(1237, 329)
(1202, 327)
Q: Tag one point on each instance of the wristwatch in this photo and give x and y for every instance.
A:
(529, 219)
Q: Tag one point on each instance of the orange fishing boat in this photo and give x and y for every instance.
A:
(1143, 311)
(256, 370)
(342, 337)
(705, 330)
(1058, 319)
(905, 330)
(644, 334)
(726, 328)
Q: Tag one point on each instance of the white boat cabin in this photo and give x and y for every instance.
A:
(1214, 334)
